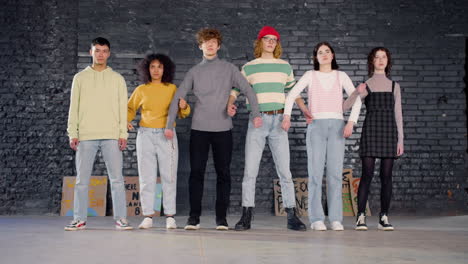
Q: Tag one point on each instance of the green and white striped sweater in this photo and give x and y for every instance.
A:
(270, 80)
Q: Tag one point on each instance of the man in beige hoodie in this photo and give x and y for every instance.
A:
(97, 119)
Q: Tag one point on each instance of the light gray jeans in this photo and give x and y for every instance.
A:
(325, 145)
(85, 156)
(279, 146)
(153, 151)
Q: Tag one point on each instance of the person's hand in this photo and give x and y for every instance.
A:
(74, 143)
(308, 116)
(286, 124)
(348, 129)
(182, 103)
(400, 149)
(257, 122)
(231, 110)
(168, 133)
(122, 143)
(130, 126)
(361, 88)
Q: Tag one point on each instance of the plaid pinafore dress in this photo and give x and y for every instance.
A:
(379, 133)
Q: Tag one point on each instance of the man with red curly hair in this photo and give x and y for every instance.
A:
(211, 82)
(270, 77)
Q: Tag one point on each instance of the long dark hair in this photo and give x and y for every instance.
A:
(169, 68)
(314, 56)
(371, 57)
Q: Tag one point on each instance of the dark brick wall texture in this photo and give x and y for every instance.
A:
(44, 43)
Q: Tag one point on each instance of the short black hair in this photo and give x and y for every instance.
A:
(334, 64)
(100, 41)
(169, 68)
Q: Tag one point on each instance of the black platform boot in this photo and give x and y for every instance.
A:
(294, 223)
(244, 222)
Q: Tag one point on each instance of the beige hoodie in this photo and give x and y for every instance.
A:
(98, 105)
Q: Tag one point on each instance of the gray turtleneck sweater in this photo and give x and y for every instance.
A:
(211, 82)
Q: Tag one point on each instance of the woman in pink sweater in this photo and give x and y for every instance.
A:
(326, 132)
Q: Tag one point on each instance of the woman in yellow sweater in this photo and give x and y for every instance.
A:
(153, 97)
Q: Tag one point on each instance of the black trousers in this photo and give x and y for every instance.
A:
(221, 145)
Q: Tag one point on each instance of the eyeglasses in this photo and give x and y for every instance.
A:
(268, 39)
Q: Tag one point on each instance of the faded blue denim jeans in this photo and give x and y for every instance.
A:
(325, 146)
(85, 156)
(279, 146)
(155, 151)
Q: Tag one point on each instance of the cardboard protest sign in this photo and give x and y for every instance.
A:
(132, 192)
(96, 196)
(346, 192)
(302, 192)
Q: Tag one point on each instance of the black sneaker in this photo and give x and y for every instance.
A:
(244, 222)
(221, 224)
(75, 225)
(193, 223)
(383, 223)
(361, 222)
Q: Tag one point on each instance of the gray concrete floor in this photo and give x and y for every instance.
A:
(37, 239)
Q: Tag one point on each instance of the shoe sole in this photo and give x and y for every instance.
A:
(360, 228)
(298, 229)
(74, 228)
(123, 228)
(171, 227)
(192, 227)
(315, 229)
(144, 227)
(338, 229)
(380, 227)
(222, 228)
(241, 229)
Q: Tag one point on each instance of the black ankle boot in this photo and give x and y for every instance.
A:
(294, 223)
(244, 222)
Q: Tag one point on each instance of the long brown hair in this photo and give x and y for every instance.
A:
(258, 49)
(371, 57)
(334, 64)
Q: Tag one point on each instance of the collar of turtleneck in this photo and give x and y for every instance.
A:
(379, 76)
(205, 60)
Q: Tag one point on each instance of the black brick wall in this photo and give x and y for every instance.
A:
(46, 42)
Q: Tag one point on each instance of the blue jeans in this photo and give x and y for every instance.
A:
(85, 156)
(279, 146)
(153, 150)
(325, 145)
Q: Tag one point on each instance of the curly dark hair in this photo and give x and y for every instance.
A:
(314, 56)
(206, 34)
(169, 68)
(371, 57)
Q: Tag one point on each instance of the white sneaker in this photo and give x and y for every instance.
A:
(146, 223)
(318, 225)
(337, 226)
(170, 223)
(384, 224)
(122, 224)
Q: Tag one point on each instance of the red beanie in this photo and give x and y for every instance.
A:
(267, 30)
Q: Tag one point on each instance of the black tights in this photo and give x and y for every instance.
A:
(386, 166)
